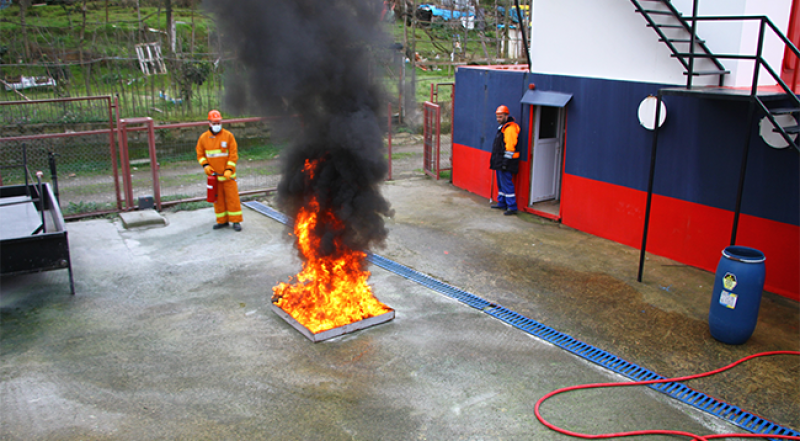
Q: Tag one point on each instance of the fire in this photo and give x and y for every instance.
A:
(330, 291)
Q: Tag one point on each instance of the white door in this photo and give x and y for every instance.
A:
(546, 151)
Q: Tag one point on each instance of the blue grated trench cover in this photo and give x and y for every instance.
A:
(679, 391)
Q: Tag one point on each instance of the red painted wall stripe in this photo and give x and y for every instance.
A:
(473, 174)
(689, 233)
(471, 170)
(686, 232)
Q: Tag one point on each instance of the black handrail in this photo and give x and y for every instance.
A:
(759, 63)
(685, 26)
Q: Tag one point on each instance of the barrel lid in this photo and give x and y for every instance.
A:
(743, 254)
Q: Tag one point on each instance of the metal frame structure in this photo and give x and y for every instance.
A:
(754, 99)
(46, 248)
(111, 103)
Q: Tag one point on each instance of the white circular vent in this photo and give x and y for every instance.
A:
(647, 113)
(773, 138)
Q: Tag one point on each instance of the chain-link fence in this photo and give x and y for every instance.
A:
(180, 176)
(107, 167)
(77, 158)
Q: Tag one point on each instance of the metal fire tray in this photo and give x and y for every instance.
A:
(335, 332)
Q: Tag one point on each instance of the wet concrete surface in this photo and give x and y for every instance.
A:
(170, 336)
(586, 286)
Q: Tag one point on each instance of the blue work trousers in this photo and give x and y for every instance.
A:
(505, 190)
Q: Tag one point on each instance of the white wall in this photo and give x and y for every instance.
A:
(608, 39)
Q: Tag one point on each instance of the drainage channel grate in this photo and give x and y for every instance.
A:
(267, 211)
(679, 391)
(429, 282)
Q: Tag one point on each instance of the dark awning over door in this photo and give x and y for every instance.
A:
(546, 98)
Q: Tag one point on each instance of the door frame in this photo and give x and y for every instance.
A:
(558, 167)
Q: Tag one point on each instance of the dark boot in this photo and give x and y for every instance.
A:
(218, 226)
(237, 227)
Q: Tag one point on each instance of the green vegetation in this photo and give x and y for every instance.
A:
(88, 207)
(259, 152)
(92, 52)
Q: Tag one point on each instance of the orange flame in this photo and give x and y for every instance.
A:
(330, 291)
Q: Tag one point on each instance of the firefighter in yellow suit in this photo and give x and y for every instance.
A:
(217, 153)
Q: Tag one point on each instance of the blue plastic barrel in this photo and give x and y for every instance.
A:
(737, 294)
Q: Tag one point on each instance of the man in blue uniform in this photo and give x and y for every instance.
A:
(505, 160)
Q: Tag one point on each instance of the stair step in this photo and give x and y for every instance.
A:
(696, 55)
(790, 130)
(666, 25)
(784, 110)
(682, 40)
(656, 12)
(709, 72)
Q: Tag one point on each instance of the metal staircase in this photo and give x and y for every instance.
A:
(680, 36)
(782, 97)
(678, 32)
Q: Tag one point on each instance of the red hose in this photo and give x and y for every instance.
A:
(658, 432)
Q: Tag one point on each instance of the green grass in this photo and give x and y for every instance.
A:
(88, 207)
(259, 152)
(184, 206)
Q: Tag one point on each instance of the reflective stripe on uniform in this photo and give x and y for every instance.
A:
(223, 214)
(223, 178)
(202, 160)
(234, 213)
(217, 154)
(231, 163)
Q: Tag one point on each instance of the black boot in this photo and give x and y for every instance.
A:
(218, 226)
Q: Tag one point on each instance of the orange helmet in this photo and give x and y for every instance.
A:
(502, 109)
(214, 116)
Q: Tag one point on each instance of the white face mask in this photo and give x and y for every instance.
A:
(216, 128)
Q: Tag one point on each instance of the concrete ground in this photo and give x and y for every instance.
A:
(170, 336)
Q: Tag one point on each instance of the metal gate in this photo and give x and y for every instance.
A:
(104, 163)
(432, 114)
(438, 158)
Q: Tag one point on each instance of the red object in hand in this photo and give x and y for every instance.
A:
(211, 185)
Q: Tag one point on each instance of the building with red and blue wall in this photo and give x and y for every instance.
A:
(586, 108)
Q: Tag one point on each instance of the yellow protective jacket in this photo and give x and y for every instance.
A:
(218, 151)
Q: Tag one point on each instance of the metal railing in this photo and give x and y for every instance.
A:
(760, 62)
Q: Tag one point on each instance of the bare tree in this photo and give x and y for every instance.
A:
(170, 25)
(87, 67)
(23, 9)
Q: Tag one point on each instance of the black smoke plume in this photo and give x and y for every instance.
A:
(316, 59)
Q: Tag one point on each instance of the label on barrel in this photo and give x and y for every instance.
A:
(728, 299)
(729, 281)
